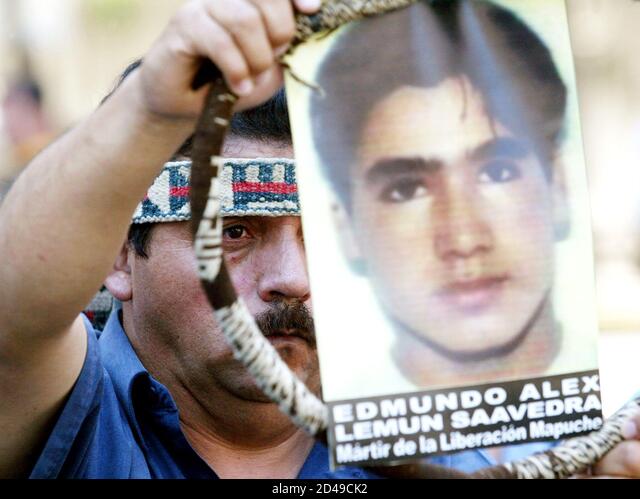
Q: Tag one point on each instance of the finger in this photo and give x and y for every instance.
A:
(243, 21)
(266, 84)
(631, 428)
(623, 460)
(213, 41)
(307, 6)
(278, 18)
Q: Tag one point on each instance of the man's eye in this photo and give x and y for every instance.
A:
(403, 191)
(234, 232)
(499, 172)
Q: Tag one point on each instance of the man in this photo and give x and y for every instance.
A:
(79, 230)
(171, 340)
(454, 190)
(159, 394)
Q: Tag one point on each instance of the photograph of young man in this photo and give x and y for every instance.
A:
(454, 188)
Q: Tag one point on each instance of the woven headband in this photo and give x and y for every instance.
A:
(248, 187)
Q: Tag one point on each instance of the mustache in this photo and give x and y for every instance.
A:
(287, 318)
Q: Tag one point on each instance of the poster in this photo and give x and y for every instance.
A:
(445, 210)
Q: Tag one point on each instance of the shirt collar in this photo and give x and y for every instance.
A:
(316, 466)
(118, 355)
(126, 371)
(122, 363)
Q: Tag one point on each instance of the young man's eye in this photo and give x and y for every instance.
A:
(404, 190)
(498, 172)
(234, 232)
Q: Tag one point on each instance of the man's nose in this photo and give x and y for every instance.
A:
(284, 273)
(462, 228)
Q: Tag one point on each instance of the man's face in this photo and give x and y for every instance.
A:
(456, 215)
(266, 259)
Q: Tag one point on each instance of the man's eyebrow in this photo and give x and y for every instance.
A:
(396, 166)
(501, 147)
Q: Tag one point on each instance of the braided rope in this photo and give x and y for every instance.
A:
(248, 343)
(272, 375)
(577, 454)
(334, 14)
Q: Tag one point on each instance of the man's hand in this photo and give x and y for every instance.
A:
(241, 37)
(624, 459)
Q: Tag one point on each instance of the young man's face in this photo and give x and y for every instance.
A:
(456, 216)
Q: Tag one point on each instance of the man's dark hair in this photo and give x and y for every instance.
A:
(475, 39)
(139, 237)
(123, 76)
(268, 122)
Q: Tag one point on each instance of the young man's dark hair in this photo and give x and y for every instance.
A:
(499, 54)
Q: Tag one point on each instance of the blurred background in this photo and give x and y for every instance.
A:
(60, 57)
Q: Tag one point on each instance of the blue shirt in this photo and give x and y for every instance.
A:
(119, 422)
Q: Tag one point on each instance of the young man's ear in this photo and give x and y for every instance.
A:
(118, 282)
(561, 210)
(346, 236)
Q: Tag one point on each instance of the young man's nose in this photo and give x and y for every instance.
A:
(462, 228)
(283, 273)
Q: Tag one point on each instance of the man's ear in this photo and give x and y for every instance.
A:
(561, 211)
(346, 236)
(118, 282)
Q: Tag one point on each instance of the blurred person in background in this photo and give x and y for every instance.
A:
(25, 121)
